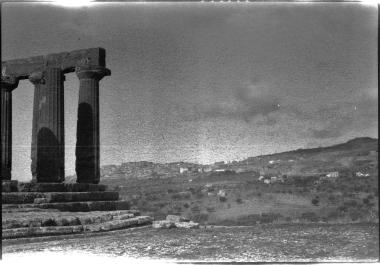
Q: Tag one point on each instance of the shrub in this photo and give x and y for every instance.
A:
(332, 199)
(310, 216)
(315, 201)
(199, 195)
(152, 198)
(195, 208)
(200, 218)
(366, 201)
(178, 208)
(222, 199)
(239, 200)
(342, 208)
(350, 203)
(334, 215)
(176, 196)
(186, 205)
(269, 217)
(355, 214)
(210, 209)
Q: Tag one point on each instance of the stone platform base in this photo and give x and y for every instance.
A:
(85, 206)
(17, 225)
(50, 197)
(46, 209)
(15, 186)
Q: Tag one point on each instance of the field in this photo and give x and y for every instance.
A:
(240, 199)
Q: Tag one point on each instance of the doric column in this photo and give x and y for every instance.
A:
(48, 147)
(7, 85)
(87, 148)
(37, 79)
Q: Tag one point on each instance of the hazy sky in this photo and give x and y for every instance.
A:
(205, 82)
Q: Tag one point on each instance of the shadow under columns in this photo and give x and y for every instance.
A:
(49, 160)
(85, 164)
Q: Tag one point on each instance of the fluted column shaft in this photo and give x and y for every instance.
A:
(7, 85)
(87, 151)
(47, 152)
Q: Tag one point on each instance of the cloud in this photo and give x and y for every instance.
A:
(345, 117)
(326, 133)
(334, 127)
(248, 102)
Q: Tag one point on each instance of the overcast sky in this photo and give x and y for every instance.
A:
(205, 82)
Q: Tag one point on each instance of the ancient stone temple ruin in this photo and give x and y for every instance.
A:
(47, 191)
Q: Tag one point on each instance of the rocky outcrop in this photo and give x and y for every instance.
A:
(188, 225)
(163, 224)
(175, 221)
(176, 218)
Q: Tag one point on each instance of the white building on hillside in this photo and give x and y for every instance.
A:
(334, 174)
(183, 170)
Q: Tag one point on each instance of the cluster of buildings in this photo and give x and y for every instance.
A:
(145, 169)
(268, 179)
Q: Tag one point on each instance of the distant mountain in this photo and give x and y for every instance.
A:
(358, 154)
(354, 155)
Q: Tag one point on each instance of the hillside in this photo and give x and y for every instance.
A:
(231, 193)
(359, 154)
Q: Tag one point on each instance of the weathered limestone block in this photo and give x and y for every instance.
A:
(59, 187)
(50, 197)
(19, 208)
(143, 220)
(67, 223)
(123, 216)
(82, 196)
(118, 224)
(17, 219)
(9, 185)
(188, 225)
(176, 218)
(174, 221)
(40, 200)
(8, 224)
(40, 231)
(87, 148)
(20, 197)
(163, 224)
(76, 206)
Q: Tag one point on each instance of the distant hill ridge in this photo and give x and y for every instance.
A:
(353, 143)
(358, 154)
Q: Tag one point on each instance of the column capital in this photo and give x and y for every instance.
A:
(9, 83)
(37, 78)
(92, 72)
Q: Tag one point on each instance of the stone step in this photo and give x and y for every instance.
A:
(50, 197)
(9, 185)
(48, 218)
(75, 229)
(59, 187)
(84, 206)
(15, 186)
(24, 210)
